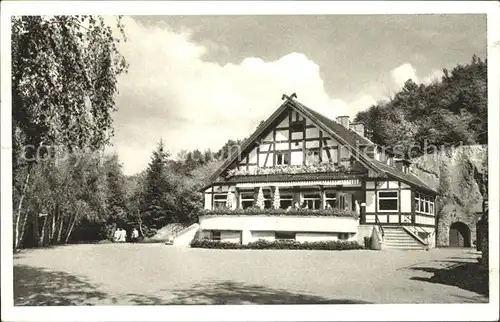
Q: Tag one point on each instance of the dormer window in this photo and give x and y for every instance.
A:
(402, 165)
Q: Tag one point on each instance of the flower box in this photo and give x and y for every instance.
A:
(290, 169)
(335, 212)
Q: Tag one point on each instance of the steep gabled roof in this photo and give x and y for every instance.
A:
(345, 136)
(352, 137)
(406, 177)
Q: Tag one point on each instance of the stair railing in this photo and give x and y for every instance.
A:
(417, 229)
(377, 221)
(182, 230)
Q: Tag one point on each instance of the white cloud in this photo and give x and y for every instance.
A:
(170, 92)
(402, 73)
(434, 76)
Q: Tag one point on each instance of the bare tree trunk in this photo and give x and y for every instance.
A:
(140, 222)
(53, 227)
(61, 221)
(17, 233)
(71, 229)
(23, 229)
(42, 237)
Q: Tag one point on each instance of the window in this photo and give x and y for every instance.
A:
(267, 199)
(312, 201)
(424, 204)
(313, 157)
(343, 236)
(220, 201)
(331, 199)
(284, 235)
(282, 159)
(330, 155)
(246, 200)
(286, 200)
(215, 235)
(387, 201)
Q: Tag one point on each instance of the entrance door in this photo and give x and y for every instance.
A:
(459, 235)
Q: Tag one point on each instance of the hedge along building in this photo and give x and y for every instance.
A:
(346, 187)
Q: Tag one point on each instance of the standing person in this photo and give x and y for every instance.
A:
(135, 235)
(123, 235)
(116, 235)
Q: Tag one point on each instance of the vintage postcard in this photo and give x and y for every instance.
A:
(250, 161)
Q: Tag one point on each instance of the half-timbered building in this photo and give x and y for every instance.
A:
(306, 177)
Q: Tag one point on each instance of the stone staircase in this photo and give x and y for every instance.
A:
(185, 236)
(399, 238)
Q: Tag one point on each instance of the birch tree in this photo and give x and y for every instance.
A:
(64, 83)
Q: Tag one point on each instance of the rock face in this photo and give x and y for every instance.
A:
(460, 175)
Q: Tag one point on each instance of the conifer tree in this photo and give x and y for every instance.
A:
(158, 203)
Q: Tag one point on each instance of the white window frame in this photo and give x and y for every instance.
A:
(330, 198)
(219, 200)
(313, 199)
(285, 156)
(427, 201)
(286, 197)
(387, 198)
(242, 193)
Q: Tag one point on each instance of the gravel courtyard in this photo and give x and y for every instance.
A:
(147, 274)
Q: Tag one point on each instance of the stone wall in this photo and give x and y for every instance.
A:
(460, 176)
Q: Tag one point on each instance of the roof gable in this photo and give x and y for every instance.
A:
(347, 137)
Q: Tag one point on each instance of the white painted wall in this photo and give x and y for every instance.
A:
(296, 158)
(280, 223)
(424, 220)
(370, 201)
(406, 200)
(282, 135)
(284, 123)
(186, 236)
(393, 184)
(314, 237)
(208, 201)
(312, 144)
(281, 146)
(394, 218)
(312, 132)
(252, 158)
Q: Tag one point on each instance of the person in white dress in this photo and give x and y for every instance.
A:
(123, 236)
(116, 235)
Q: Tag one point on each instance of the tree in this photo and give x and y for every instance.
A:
(64, 81)
(116, 193)
(260, 199)
(276, 198)
(158, 202)
(444, 113)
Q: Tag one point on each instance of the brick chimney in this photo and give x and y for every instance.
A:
(344, 120)
(358, 128)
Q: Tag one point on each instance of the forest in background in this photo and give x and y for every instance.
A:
(85, 195)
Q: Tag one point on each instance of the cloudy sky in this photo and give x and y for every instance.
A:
(197, 81)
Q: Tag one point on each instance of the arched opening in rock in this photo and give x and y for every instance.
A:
(459, 235)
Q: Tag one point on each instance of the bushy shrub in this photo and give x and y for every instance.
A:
(148, 240)
(207, 243)
(278, 244)
(368, 242)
